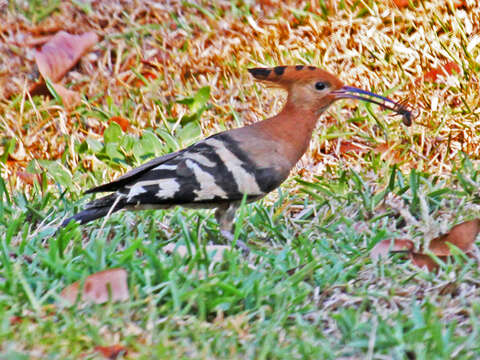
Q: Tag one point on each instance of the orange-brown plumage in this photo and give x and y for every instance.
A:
(294, 125)
(249, 161)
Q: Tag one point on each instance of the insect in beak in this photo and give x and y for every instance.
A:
(401, 108)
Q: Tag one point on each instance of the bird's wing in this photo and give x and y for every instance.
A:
(133, 174)
(211, 171)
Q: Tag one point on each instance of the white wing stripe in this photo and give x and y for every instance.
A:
(166, 188)
(165, 167)
(208, 188)
(246, 182)
(201, 159)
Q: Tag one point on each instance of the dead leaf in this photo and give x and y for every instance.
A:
(62, 52)
(462, 236)
(348, 146)
(111, 352)
(459, 4)
(433, 75)
(58, 56)
(99, 287)
(425, 261)
(384, 247)
(29, 178)
(37, 41)
(401, 3)
(124, 123)
(70, 98)
(14, 320)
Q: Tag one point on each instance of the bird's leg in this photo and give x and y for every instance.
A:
(225, 214)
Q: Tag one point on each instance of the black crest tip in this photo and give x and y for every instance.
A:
(279, 70)
(260, 73)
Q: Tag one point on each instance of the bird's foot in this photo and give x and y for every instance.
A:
(239, 243)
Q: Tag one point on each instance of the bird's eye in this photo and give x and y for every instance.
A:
(320, 85)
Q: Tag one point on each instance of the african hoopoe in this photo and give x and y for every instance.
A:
(253, 160)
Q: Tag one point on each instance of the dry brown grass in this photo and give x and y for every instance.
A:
(181, 48)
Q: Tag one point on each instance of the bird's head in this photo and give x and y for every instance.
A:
(315, 89)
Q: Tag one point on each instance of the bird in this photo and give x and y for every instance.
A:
(251, 161)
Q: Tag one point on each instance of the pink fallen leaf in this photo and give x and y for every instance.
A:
(385, 247)
(70, 98)
(37, 41)
(99, 287)
(62, 52)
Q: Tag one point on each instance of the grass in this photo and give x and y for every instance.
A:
(309, 288)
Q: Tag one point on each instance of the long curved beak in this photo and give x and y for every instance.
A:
(350, 92)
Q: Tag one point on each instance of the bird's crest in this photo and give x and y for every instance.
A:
(284, 76)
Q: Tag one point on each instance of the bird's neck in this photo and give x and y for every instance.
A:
(293, 127)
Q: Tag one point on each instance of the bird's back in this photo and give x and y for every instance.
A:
(212, 171)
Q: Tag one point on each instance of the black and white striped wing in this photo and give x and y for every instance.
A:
(211, 171)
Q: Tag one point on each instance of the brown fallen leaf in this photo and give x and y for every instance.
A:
(111, 352)
(62, 52)
(433, 75)
(349, 146)
(384, 247)
(99, 287)
(401, 3)
(426, 261)
(29, 178)
(14, 320)
(124, 123)
(462, 236)
(459, 4)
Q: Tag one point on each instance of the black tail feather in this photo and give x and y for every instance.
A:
(97, 209)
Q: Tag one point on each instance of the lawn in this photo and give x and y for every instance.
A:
(162, 75)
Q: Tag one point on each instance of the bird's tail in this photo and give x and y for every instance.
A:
(97, 209)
